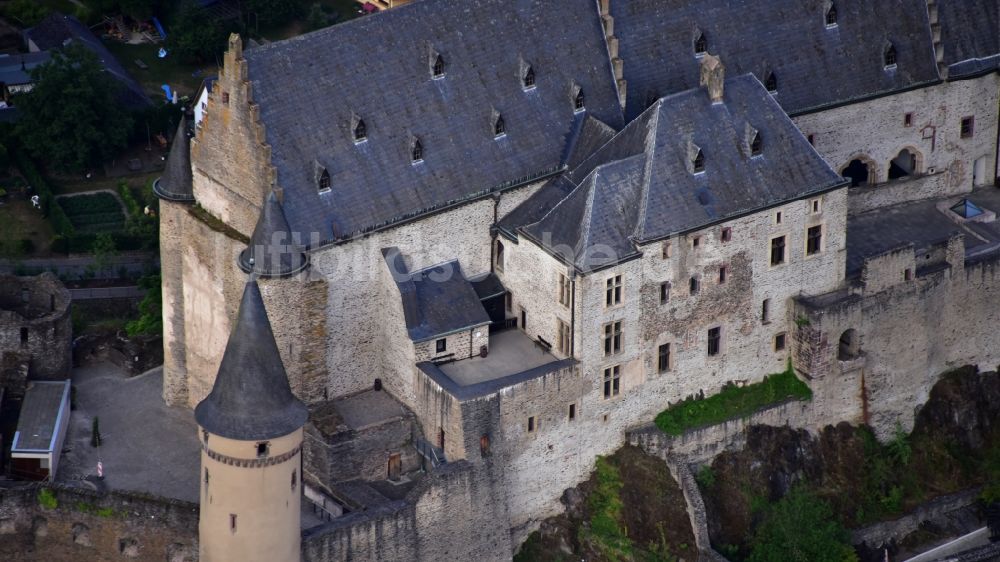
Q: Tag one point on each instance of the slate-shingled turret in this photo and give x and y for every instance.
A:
(251, 432)
(272, 252)
(176, 182)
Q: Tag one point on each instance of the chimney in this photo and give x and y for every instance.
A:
(713, 74)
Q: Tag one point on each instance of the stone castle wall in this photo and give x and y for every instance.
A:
(35, 322)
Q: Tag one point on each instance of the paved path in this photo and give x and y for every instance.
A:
(147, 446)
(107, 293)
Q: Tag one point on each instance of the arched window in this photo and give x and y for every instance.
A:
(324, 181)
(831, 15)
(578, 101)
(858, 172)
(360, 131)
(528, 80)
(499, 129)
(849, 346)
(756, 145)
(700, 44)
(890, 56)
(699, 162)
(437, 69)
(771, 83)
(903, 165)
(417, 153)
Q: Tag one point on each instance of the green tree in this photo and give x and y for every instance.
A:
(317, 18)
(193, 36)
(71, 118)
(150, 321)
(275, 12)
(800, 528)
(103, 250)
(26, 12)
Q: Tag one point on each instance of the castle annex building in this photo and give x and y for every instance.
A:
(527, 227)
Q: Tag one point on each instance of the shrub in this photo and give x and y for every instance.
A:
(150, 321)
(47, 499)
(606, 532)
(705, 477)
(800, 528)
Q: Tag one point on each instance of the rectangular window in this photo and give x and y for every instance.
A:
(814, 240)
(563, 337)
(612, 338)
(613, 294)
(815, 206)
(968, 127)
(24, 337)
(441, 345)
(778, 250)
(765, 311)
(696, 241)
(612, 376)
(572, 412)
(726, 235)
(779, 342)
(714, 341)
(908, 274)
(777, 217)
(531, 424)
(723, 270)
(908, 120)
(564, 290)
(225, 101)
(811, 139)
(232, 523)
(666, 249)
(663, 358)
(664, 292)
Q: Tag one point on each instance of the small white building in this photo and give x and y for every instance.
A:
(41, 430)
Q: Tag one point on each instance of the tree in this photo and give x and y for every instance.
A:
(27, 12)
(193, 36)
(800, 528)
(150, 321)
(103, 250)
(317, 18)
(275, 12)
(72, 118)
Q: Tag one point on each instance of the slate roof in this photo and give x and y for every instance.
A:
(970, 29)
(644, 188)
(16, 69)
(437, 300)
(57, 30)
(312, 89)
(176, 183)
(40, 415)
(815, 65)
(272, 251)
(251, 398)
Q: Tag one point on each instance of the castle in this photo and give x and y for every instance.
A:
(528, 227)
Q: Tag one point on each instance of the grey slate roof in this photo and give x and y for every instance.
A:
(251, 398)
(272, 251)
(176, 183)
(970, 29)
(437, 300)
(58, 30)
(815, 66)
(40, 415)
(16, 69)
(311, 90)
(644, 189)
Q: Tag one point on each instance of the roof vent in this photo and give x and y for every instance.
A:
(713, 75)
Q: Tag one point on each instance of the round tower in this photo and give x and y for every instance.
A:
(251, 448)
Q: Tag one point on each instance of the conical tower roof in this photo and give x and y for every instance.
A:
(271, 252)
(176, 183)
(251, 399)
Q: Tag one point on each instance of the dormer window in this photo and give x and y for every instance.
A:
(831, 16)
(771, 83)
(578, 101)
(417, 153)
(700, 44)
(756, 145)
(699, 162)
(890, 56)
(360, 131)
(499, 129)
(324, 181)
(528, 79)
(437, 69)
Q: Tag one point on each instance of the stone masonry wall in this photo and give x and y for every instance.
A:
(875, 131)
(35, 322)
(87, 526)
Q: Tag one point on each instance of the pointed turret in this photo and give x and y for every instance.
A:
(251, 398)
(176, 182)
(272, 252)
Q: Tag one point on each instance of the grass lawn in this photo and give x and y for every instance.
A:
(20, 221)
(169, 70)
(731, 403)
